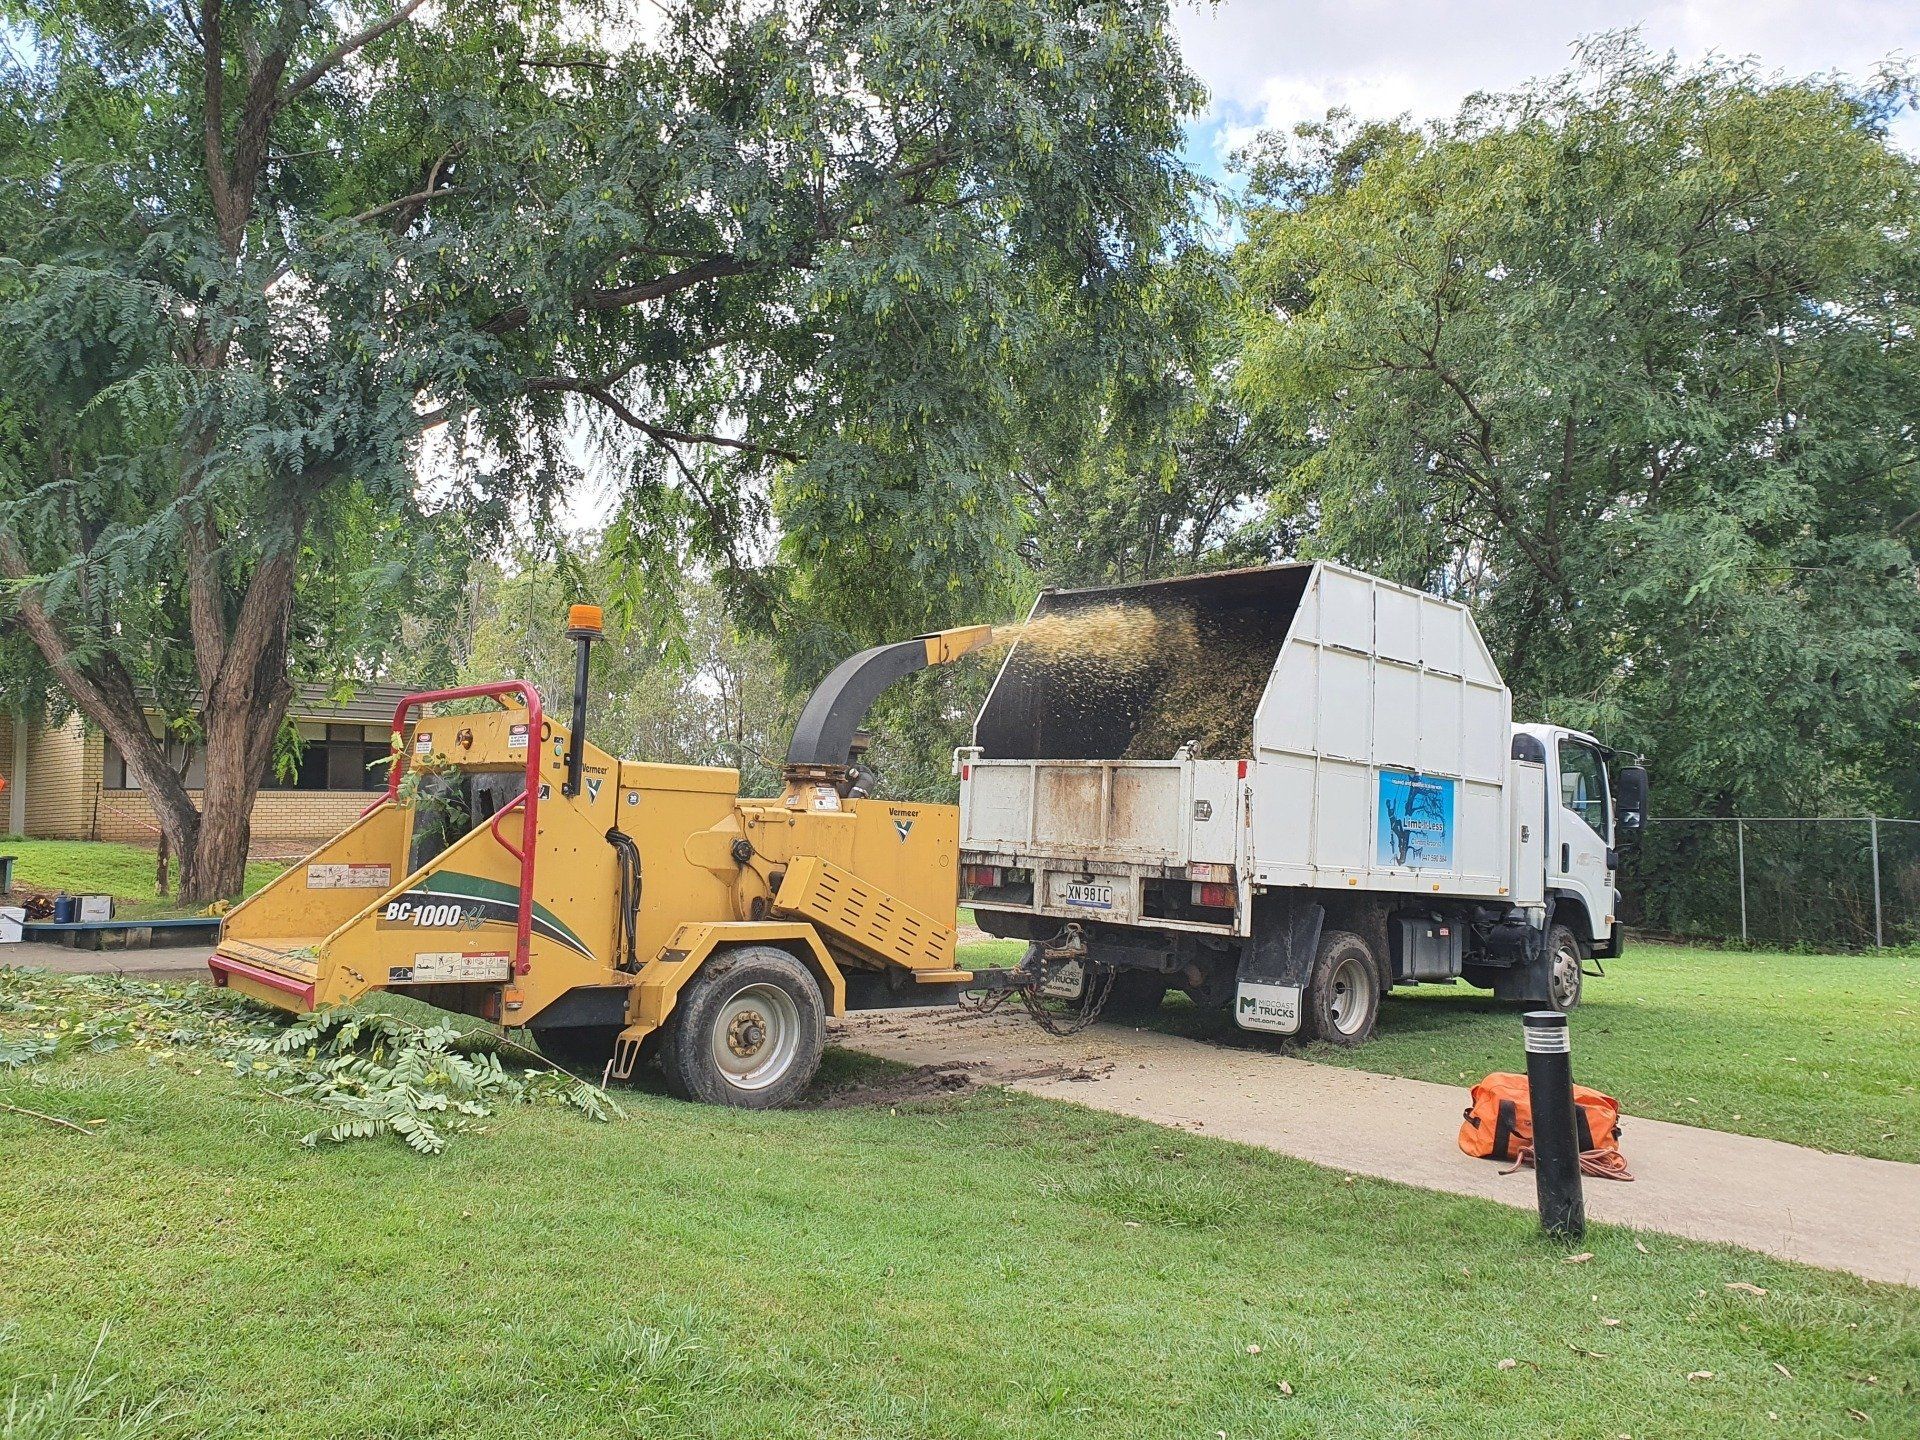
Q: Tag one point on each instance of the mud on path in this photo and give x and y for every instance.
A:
(1844, 1212)
(935, 1081)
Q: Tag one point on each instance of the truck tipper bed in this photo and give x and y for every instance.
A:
(1356, 809)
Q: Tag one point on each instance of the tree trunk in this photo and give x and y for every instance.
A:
(241, 722)
(219, 870)
(242, 710)
(244, 703)
(106, 695)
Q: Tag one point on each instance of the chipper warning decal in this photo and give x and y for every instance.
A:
(451, 965)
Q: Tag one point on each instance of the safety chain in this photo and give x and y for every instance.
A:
(1056, 1019)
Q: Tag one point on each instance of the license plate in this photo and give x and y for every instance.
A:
(1088, 896)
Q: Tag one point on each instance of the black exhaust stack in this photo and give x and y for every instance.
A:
(583, 628)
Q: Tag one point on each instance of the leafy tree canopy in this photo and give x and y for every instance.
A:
(1627, 358)
(813, 266)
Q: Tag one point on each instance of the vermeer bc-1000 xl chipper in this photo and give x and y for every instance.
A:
(618, 908)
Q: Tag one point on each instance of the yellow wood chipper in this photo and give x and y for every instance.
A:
(620, 909)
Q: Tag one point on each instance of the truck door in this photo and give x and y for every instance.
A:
(1583, 827)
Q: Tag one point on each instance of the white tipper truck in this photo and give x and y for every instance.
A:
(1377, 818)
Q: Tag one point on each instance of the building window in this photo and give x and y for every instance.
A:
(336, 757)
(190, 761)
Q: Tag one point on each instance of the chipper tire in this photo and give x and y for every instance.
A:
(747, 1030)
(1342, 1000)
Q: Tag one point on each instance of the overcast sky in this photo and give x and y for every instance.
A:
(1275, 62)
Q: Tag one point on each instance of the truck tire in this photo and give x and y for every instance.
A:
(1566, 958)
(582, 1050)
(1136, 995)
(747, 1030)
(1342, 999)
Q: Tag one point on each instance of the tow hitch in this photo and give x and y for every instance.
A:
(1054, 981)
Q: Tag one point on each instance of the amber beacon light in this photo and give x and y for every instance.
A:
(583, 628)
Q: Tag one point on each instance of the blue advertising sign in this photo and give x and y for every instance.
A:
(1416, 820)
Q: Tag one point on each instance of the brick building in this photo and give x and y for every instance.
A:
(66, 780)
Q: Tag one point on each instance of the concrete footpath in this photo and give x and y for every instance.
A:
(173, 962)
(1842, 1212)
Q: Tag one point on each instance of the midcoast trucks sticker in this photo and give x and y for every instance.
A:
(448, 900)
(1415, 825)
(1258, 1006)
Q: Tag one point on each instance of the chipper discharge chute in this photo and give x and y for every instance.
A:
(617, 908)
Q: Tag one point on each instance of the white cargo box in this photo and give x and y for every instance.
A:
(1381, 746)
(1374, 756)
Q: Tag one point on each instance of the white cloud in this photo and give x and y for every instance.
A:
(1276, 62)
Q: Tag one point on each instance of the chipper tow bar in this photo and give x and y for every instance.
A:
(1052, 970)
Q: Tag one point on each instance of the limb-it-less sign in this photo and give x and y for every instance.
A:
(1415, 823)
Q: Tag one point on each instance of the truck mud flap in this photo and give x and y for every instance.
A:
(1526, 982)
(1274, 964)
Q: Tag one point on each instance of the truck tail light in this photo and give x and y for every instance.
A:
(983, 877)
(1216, 896)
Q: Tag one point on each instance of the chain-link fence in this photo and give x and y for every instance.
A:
(1814, 884)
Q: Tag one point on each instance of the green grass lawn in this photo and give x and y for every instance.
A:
(102, 867)
(979, 1266)
(1821, 1050)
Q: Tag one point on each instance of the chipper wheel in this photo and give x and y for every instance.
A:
(1343, 990)
(747, 1030)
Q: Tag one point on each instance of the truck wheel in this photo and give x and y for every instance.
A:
(747, 1031)
(1565, 958)
(1343, 990)
(1136, 995)
(582, 1050)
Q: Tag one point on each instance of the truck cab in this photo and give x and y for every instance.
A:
(1594, 808)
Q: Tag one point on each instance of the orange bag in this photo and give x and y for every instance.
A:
(1498, 1125)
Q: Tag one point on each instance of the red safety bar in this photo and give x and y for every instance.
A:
(224, 969)
(529, 802)
(499, 815)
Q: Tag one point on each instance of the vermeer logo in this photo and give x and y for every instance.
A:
(903, 826)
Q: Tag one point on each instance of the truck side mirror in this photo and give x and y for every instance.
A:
(1630, 805)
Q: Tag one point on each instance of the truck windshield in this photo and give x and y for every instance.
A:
(1583, 783)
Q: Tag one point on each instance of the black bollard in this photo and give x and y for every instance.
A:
(1556, 1143)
